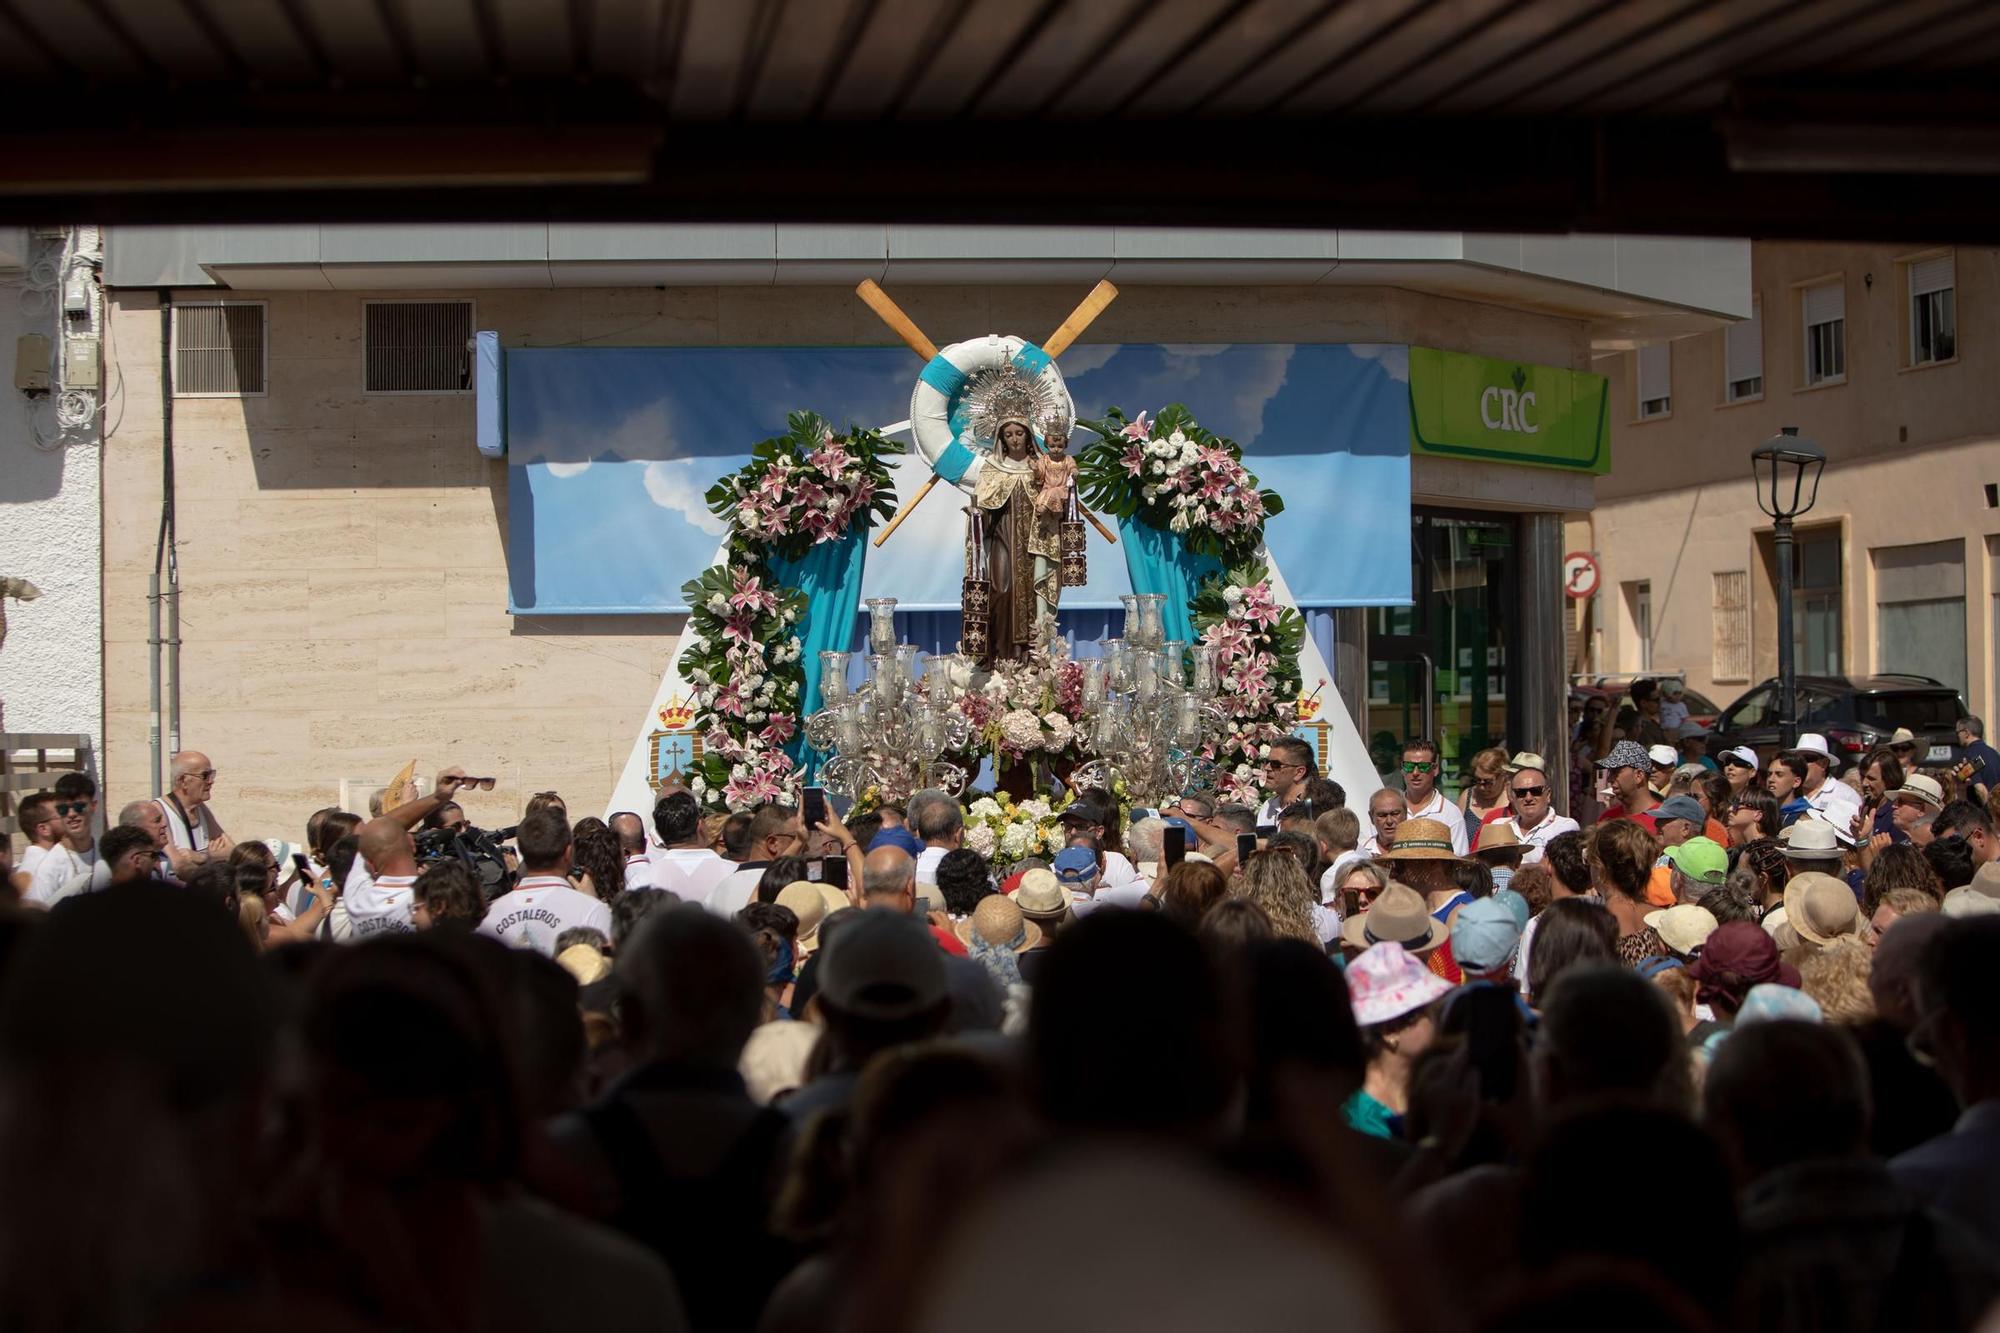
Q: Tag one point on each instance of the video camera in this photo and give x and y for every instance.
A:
(480, 850)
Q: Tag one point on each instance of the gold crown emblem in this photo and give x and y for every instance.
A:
(676, 713)
(1309, 704)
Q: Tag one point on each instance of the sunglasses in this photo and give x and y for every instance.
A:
(483, 784)
(72, 807)
(1531, 791)
(206, 775)
(1419, 766)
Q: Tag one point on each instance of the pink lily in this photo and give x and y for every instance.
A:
(1137, 428)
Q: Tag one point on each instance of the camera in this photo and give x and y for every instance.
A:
(481, 851)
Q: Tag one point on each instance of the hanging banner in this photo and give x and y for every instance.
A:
(1508, 412)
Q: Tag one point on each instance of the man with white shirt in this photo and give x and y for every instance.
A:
(1088, 814)
(1533, 818)
(377, 893)
(1836, 800)
(1421, 796)
(543, 904)
(76, 855)
(43, 829)
(631, 831)
(193, 832)
(1386, 813)
(775, 830)
(690, 867)
(939, 823)
(1286, 769)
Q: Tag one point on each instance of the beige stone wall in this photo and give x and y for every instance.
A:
(1910, 450)
(343, 559)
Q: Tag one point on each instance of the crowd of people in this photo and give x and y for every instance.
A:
(1726, 1058)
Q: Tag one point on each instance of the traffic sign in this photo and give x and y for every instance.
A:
(1579, 575)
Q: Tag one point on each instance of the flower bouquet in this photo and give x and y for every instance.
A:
(1004, 830)
(1173, 474)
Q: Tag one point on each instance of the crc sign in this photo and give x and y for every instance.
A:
(1508, 409)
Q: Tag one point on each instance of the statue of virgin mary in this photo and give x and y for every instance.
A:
(1015, 533)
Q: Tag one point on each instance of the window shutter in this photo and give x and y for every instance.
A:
(1730, 654)
(1655, 372)
(1825, 303)
(218, 349)
(1931, 275)
(1743, 347)
(418, 346)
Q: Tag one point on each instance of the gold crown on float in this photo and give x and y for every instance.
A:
(676, 713)
(1004, 394)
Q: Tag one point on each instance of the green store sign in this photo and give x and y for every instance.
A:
(1508, 412)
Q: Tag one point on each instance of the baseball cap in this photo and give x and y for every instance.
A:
(897, 837)
(1680, 807)
(1684, 926)
(1664, 756)
(1701, 860)
(1743, 755)
(1672, 688)
(1627, 754)
(1527, 759)
(1484, 935)
(883, 964)
(1084, 810)
(1075, 866)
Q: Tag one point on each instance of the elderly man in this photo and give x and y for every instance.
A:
(1533, 818)
(775, 830)
(193, 832)
(1981, 758)
(889, 882)
(631, 833)
(939, 823)
(1837, 801)
(1386, 813)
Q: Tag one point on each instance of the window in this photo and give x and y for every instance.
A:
(1816, 602)
(1655, 381)
(1754, 709)
(1933, 311)
(219, 349)
(1639, 608)
(1920, 610)
(1729, 654)
(417, 346)
(1743, 357)
(1824, 309)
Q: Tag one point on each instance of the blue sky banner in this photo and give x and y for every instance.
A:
(610, 450)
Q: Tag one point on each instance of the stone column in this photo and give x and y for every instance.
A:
(1542, 712)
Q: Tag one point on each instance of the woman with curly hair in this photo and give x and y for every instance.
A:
(1276, 882)
(598, 858)
(1621, 855)
(1899, 866)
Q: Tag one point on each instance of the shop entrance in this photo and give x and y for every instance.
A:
(1442, 667)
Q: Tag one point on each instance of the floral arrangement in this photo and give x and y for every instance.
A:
(744, 661)
(1172, 474)
(1257, 646)
(1004, 830)
(1025, 708)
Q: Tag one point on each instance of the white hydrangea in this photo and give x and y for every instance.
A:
(1233, 595)
(1021, 729)
(1018, 841)
(981, 838)
(985, 808)
(752, 681)
(1059, 727)
(1034, 808)
(791, 614)
(699, 677)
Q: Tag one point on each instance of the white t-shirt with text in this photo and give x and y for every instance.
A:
(540, 908)
(377, 906)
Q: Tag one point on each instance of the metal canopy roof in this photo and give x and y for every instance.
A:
(1772, 117)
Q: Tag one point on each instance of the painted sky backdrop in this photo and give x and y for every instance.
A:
(611, 449)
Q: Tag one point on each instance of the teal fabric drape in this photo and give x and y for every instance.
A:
(1157, 561)
(829, 574)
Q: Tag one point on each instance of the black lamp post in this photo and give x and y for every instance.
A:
(1782, 467)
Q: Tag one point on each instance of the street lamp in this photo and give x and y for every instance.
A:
(1788, 462)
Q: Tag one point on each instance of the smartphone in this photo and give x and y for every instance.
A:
(1266, 832)
(1174, 848)
(813, 807)
(1246, 847)
(833, 872)
(303, 866)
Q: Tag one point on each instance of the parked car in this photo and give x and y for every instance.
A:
(1616, 690)
(1854, 713)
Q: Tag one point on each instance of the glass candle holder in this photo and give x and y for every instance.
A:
(1093, 680)
(937, 677)
(1134, 630)
(833, 678)
(1203, 671)
(906, 660)
(1152, 611)
(881, 626)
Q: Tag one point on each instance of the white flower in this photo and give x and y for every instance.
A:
(985, 808)
(718, 603)
(1232, 594)
(739, 770)
(699, 784)
(1018, 841)
(1243, 772)
(1021, 729)
(1179, 522)
(1178, 440)
(1151, 492)
(699, 677)
(981, 839)
(791, 614)
(1034, 808)
(755, 716)
(1159, 469)
(1190, 452)
(751, 682)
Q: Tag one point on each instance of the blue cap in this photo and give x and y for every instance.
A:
(1075, 865)
(1516, 904)
(1175, 821)
(1484, 936)
(897, 837)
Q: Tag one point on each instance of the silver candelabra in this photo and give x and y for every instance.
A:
(1149, 705)
(887, 734)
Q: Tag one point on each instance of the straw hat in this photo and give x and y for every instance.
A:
(1811, 840)
(1497, 836)
(1922, 789)
(1041, 897)
(1820, 907)
(585, 962)
(998, 921)
(1399, 916)
(1386, 983)
(811, 903)
(1421, 840)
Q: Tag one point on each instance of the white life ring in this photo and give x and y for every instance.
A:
(941, 406)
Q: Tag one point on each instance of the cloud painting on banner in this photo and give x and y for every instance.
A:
(610, 451)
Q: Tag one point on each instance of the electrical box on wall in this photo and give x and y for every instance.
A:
(80, 362)
(31, 363)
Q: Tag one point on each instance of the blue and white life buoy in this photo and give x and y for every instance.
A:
(954, 396)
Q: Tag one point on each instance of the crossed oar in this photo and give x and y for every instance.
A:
(1102, 295)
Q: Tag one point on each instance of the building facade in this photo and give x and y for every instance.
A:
(342, 550)
(1885, 356)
